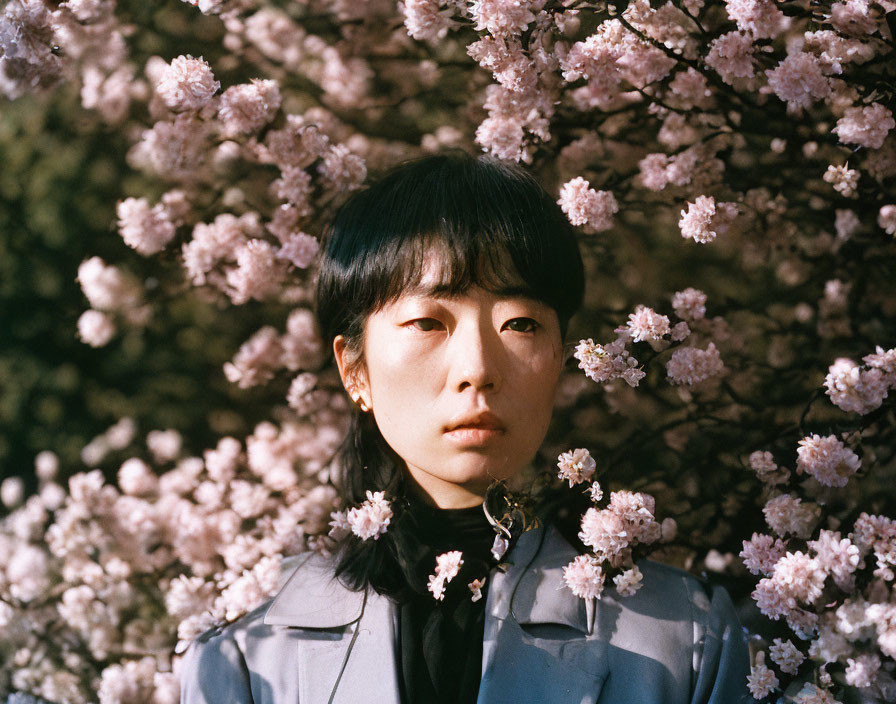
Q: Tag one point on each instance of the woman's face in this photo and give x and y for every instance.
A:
(486, 362)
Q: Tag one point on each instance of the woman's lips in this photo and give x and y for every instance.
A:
(473, 435)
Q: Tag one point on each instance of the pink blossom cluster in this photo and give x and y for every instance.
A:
(369, 520)
(646, 324)
(691, 365)
(612, 533)
(115, 296)
(577, 466)
(196, 539)
(585, 206)
(267, 351)
(855, 389)
(825, 597)
(705, 219)
(603, 363)
(826, 459)
(682, 112)
(767, 470)
(447, 566)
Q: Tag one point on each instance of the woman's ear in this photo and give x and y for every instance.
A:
(352, 374)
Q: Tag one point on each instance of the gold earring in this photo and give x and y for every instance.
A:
(356, 397)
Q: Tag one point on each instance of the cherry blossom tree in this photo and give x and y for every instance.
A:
(731, 167)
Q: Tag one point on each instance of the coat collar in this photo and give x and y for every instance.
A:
(531, 591)
(314, 598)
(518, 665)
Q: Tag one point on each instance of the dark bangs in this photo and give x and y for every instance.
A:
(491, 223)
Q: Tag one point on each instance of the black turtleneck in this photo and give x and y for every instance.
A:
(441, 641)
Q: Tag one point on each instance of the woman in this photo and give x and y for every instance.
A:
(446, 290)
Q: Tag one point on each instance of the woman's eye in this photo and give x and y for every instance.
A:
(522, 325)
(425, 324)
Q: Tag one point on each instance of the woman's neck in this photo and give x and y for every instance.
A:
(442, 494)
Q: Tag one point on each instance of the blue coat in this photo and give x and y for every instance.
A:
(677, 641)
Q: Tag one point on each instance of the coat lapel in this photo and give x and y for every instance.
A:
(539, 637)
(540, 641)
(349, 641)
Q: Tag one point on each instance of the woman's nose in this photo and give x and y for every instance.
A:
(475, 357)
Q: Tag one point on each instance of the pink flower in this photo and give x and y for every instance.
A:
(800, 576)
(883, 360)
(165, 445)
(258, 275)
(298, 144)
(299, 250)
(761, 18)
(247, 108)
(257, 359)
(629, 582)
(187, 83)
(426, 20)
(862, 671)
(798, 80)
(768, 472)
(371, 518)
(761, 552)
(886, 218)
(576, 465)
(704, 219)
(476, 588)
(503, 17)
(344, 170)
(827, 459)
(585, 206)
(596, 57)
(846, 222)
(692, 88)
(339, 525)
(300, 396)
(731, 56)
(503, 137)
(600, 365)
(844, 179)
(787, 514)
(838, 557)
(294, 187)
(761, 681)
(173, 149)
(853, 389)
(95, 328)
(786, 656)
(680, 331)
(12, 491)
(144, 228)
(689, 304)
(584, 577)
(636, 510)
(136, 478)
(447, 566)
(691, 365)
(867, 126)
(107, 287)
(605, 532)
(810, 694)
(647, 324)
(854, 18)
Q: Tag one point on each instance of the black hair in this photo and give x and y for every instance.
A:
(494, 227)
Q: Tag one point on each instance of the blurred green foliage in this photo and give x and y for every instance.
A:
(61, 177)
